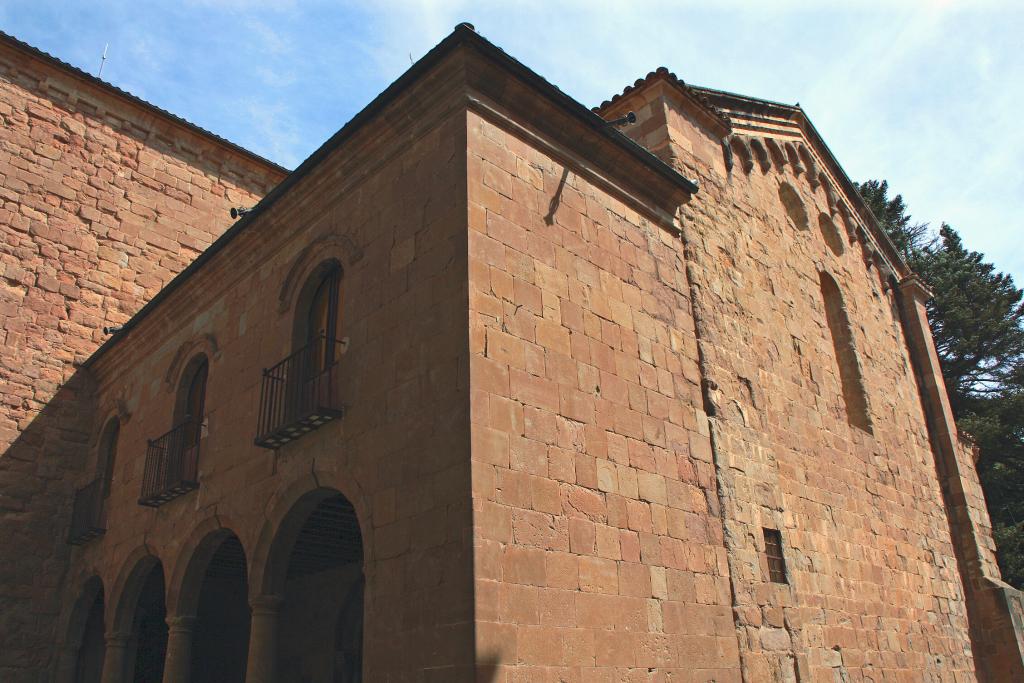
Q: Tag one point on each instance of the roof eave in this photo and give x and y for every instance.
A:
(797, 113)
(110, 89)
(463, 34)
(716, 118)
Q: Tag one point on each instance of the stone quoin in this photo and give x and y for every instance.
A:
(492, 387)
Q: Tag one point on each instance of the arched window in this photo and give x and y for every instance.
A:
(300, 393)
(317, 320)
(88, 516)
(322, 318)
(190, 407)
(846, 355)
(172, 460)
(196, 398)
(108, 454)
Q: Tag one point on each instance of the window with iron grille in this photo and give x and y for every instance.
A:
(773, 552)
(301, 392)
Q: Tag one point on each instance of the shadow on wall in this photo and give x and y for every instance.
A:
(487, 670)
(50, 451)
(556, 200)
(39, 473)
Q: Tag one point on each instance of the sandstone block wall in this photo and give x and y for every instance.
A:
(599, 544)
(575, 399)
(102, 201)
(401, 452)
(997, 611)
(873, 583)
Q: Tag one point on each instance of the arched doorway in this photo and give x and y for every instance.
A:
(149, 629)
(84, 646)
(221, 637)
(316, 566)
(348, 636)
(92, 649)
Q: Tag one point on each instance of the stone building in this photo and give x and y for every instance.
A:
(493, 387)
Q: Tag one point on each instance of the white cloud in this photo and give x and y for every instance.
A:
(900, 90)
(258, 34)
(276, 78)
(274, 127)
(924, 93)
(245, 5)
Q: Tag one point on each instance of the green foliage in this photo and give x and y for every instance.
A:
(1010, 543)
(997, 424)
(977, 320)
(892, 215)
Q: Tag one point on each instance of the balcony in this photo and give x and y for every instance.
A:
(87, 513)
(172, 464)
(300, 393)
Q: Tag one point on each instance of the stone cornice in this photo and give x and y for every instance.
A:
(914, 286)
(107, 91)
(259, 234)
(764, 118)
(508, 102)
(463, 79)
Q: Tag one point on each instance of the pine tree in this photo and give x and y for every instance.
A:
(976, 317)
(892, 215)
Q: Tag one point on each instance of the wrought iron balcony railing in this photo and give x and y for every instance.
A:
(87, 513)
(172, 464)
(300, 393)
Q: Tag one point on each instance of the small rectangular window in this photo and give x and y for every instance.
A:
(773, 552)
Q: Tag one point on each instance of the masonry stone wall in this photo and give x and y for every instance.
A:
(399, 454)
(996, 608)
(873, 587)
(576, 392)
(599, 544)
(102, 201)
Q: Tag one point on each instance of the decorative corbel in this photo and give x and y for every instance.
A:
(830, 195)
(741, 146)
(794, 158)
(813, 172)
(761, 152)
(776, 152)
(727, 153)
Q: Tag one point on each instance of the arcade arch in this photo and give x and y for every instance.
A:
(308, 616)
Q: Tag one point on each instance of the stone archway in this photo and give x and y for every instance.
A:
(137, 641)
(81, 656)
(221, 629)
(308, 617)
(149, 629)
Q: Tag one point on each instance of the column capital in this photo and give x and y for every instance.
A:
(266, 604)
(182, 624)
(915, 287)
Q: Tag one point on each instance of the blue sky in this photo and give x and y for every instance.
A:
(926, 94)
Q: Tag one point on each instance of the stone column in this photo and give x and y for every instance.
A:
(131, 656)
(178, 662)
(67, 662)
(115, 658)
(262, 662)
